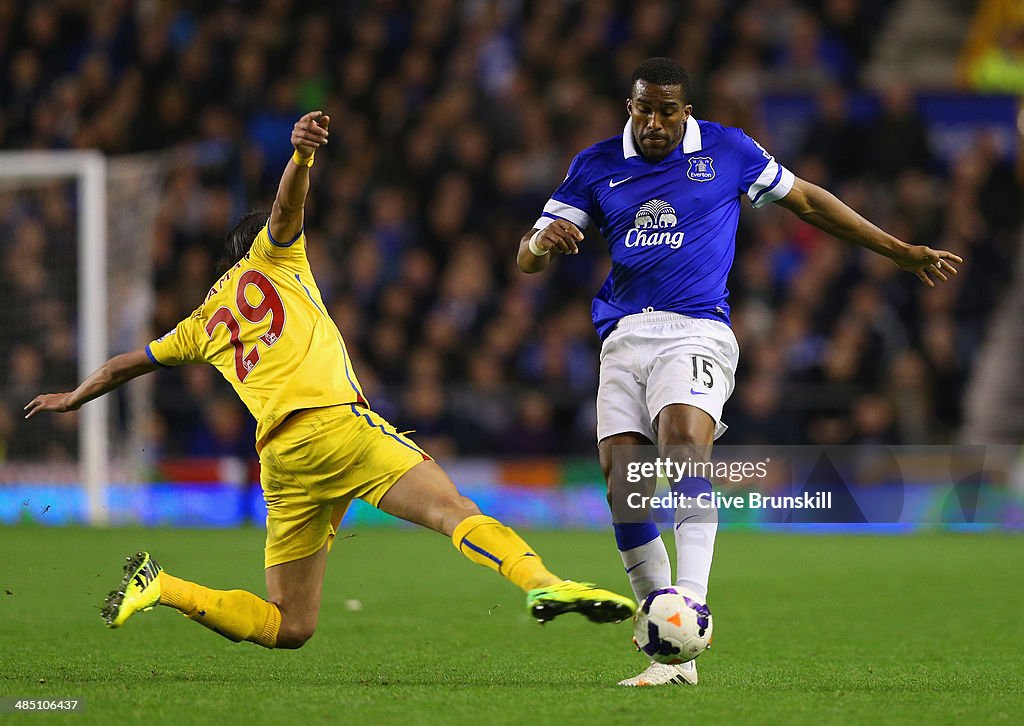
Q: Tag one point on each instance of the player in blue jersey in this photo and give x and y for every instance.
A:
(666, 197)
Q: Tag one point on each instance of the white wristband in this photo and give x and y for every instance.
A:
(533, 245)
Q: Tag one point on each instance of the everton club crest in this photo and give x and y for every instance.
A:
(701, 169)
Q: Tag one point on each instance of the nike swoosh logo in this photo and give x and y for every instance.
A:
(698, 393)
(630, 569)
(612, 183)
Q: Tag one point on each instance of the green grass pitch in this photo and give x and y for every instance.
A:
(808, 629)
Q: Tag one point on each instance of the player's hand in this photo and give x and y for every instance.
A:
(927, 263)
(310, 132)
(59, 402)
(561, 236)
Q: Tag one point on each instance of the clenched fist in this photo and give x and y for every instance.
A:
(310, 133)
(560, 236)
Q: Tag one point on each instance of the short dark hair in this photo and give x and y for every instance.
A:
(662, 72)
(240, 239)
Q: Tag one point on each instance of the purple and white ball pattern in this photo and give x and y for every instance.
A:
(672, 626)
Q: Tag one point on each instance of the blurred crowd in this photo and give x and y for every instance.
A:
(452, 122)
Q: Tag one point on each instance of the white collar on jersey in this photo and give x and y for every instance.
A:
(691, 139)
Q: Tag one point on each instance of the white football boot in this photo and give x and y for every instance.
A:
(659, 674)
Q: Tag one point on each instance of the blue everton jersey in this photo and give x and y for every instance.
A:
(670, 226)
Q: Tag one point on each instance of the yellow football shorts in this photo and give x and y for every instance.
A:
(316, 463)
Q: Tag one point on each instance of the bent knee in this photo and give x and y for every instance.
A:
(297, 627)
(466, 507)
(292, 637)
(455, 512)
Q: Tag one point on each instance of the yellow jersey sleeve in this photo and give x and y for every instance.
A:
(178, 346)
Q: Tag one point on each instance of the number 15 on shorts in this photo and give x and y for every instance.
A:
(701, 373)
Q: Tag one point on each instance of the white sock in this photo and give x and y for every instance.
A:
(695, 547)
(695, 531)
(648, 567)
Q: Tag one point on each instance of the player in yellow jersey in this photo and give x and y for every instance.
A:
(264, 326)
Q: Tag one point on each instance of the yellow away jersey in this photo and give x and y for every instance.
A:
(264, 326)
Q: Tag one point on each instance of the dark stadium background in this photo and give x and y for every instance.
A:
(452, 122)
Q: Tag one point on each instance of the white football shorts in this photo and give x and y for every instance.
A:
(655, 359)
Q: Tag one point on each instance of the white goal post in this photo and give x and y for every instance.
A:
(89, 170)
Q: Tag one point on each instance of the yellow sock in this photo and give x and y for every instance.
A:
(488, 542)
(236, 614)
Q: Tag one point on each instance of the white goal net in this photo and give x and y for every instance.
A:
(76, 289)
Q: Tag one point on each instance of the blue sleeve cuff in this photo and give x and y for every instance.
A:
(152, 357)
(284, 244)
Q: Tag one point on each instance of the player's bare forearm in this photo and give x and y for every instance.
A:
(114, 373)
(825, 211)
(287, 214)
(534, 248)
(529, 262)
(308, 134)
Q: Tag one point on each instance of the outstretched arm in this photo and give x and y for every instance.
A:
(115, 372)
(825, 211)
(561, 236)
(308, 134)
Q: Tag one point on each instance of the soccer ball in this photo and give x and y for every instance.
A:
(672, 626)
